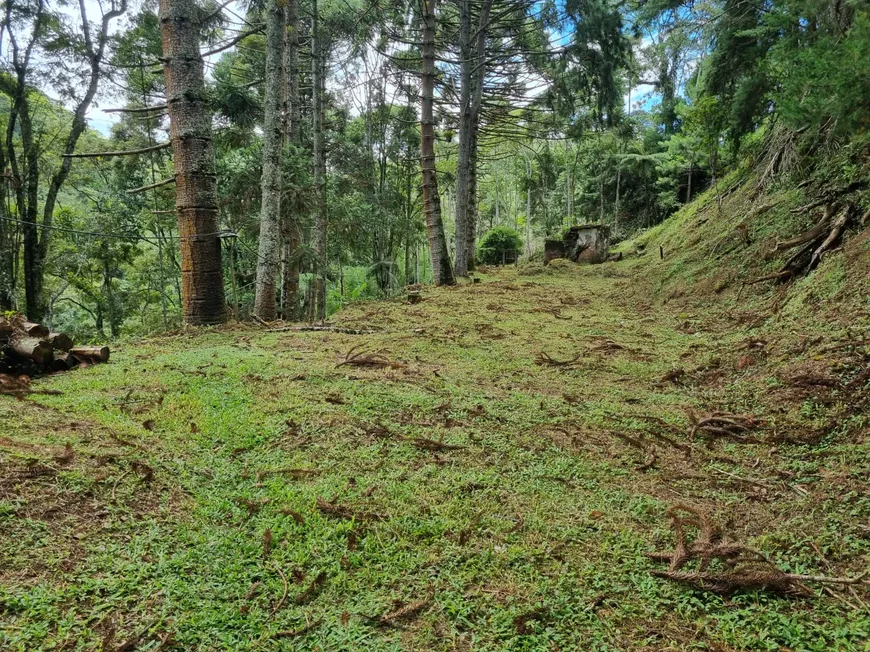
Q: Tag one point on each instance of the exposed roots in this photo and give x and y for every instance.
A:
(735, 427)
(812, 245)
(331, 508)
(357, 358)
(544, 360)
(556, 312)
(723, 566)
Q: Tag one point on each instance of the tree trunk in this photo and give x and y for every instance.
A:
(466, 121)
(616, 208)
(291, 233)
(271, 183)
(31, 348)
(442, 272)
(190, 132)
(472, 50)
(8, 252)
(60, 341)
(91, 353)
(471, 219)
(320, 221)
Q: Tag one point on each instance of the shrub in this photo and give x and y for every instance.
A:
(499, 244)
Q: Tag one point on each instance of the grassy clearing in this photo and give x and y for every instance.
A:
(238, 489)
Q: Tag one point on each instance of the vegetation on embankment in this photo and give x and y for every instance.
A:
(488, 470)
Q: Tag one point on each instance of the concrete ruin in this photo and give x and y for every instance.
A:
(582, 243)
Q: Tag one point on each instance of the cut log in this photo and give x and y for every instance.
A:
(60, 341)
(33, 329)
(91, 353)
(31, 348)
(63, 361)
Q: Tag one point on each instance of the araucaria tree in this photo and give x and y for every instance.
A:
(442, 271)
(195, 194)
(265, 306)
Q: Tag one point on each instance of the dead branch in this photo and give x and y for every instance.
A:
(431, 445)
(403, 613)
(280, 604)
(322, 329)
(556, 312)
(291, 633)
(731, 426)
(312, 590)
(544, 360)
(341, 511)
(165, 182)
(296, 474)
(143, 109)
(365, 359)
(649, 463)
(744, 568)
(129, 152)
(833, 236)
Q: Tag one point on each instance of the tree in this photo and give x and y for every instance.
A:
(87, 52)
(441, 269)
(318, 74)
(190, 133)
(472, 45)
(265, 306)
(290, 233)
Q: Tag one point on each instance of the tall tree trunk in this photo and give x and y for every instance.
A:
(195, 180)
(8, 250)
(472, 49)
(318, 70)
(292, 235)
(466, 123)
(471, 219)
(271, 182)
(24, 170)
(442, 272)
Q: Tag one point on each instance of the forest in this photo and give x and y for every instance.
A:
(543, 115)
(444, 325)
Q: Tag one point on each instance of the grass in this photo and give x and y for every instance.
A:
(530, 531)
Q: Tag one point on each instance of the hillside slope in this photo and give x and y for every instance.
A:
(487, 470)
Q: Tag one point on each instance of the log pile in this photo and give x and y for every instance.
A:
(31, 347)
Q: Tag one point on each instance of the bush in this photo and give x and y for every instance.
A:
(499, 244)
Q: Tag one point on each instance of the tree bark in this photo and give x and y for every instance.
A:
(24, 172)
(190, 131)
(60, 341)
(291, 234)
(442, 272)
(8, 249)
(466, 122)
(265, 303)
(31, 348)
(92, 353)
(472, 50)
(320, 221)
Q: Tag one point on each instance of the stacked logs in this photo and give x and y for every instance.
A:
(28, 344)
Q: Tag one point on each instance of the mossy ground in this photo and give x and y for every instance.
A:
(531, 534)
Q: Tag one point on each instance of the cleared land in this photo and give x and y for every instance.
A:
(488, 470)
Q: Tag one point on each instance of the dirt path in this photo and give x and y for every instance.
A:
(487, 471)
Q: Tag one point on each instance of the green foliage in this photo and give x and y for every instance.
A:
(497, 243)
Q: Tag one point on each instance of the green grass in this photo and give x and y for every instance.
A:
(532, 535)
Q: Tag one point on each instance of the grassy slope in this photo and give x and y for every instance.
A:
(531, 536)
